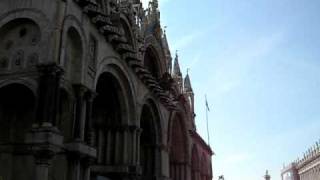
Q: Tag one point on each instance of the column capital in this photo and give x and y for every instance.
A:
(46, 142)
(91, 95)
(80, 90)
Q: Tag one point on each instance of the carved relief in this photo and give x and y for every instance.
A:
(34, 40)
(32, 60)
(19, 42)
(92, 53)
(4, 62)
(17, 60)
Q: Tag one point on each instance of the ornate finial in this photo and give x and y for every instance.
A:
(176, 68)
(156, 4)
(188, 69)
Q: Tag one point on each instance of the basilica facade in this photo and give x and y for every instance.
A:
(89, 91)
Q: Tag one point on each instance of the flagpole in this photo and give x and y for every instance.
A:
(207, 120)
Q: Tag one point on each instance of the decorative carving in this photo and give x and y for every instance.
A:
(34, 40)
(32, 60)
(92, 53)
(18, 58)
(4, 62)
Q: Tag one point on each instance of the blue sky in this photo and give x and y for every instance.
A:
(258, 61)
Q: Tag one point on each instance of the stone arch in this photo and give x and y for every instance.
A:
(17, 112)
(178, 147)
(20, 44)
(126, 26)
(113, 111)
(27, 82)
(152, 43)
(150, 140)
(152, 62)
(119, 70)
(73, 49)
(73, 55)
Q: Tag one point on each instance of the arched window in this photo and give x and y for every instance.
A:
(151, 62)
(148, 142)
(107, 117)
(73, 55)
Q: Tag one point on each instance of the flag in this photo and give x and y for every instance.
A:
(207, 106)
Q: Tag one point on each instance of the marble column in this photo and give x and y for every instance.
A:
(42, 168)
(89, 136)
(80, 114)
(49, 83)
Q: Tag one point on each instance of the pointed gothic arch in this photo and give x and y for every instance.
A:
(126, 26)
(151, 62)
(150, 139)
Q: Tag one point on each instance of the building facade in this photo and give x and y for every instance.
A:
(88, 92)
(306, 168)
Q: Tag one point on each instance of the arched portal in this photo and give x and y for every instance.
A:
(17, 113)
(148, 142)
(109, 123)
(178, 150)
(107, 118)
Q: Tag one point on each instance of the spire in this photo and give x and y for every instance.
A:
(164, 38)
(167, 50)
(187, 83)
(176, 67)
